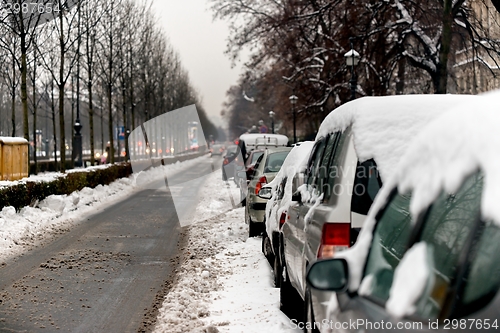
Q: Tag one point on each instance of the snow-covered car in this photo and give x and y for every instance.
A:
(279, 192)
(357, 148)
(266, 168)
(428, 258)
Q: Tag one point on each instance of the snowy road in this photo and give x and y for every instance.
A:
(101, 276)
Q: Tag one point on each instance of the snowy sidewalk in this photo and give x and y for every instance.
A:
(225, 283)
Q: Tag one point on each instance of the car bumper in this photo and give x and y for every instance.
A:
(256, 208)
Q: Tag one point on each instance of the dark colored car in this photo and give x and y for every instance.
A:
(233, 159)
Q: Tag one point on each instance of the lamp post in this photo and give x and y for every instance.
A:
(293, 100)
(271, 115)
(352, 60)
(77, 139)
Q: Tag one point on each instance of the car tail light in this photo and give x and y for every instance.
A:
(334, 237)
(226, 161)
(262, 181)
(282, 219)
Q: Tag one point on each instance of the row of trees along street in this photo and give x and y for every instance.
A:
(297, 48)
(98, 64)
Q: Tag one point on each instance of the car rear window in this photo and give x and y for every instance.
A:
(367, 183)
(274, 161)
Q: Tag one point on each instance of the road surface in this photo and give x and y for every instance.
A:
(108, 274)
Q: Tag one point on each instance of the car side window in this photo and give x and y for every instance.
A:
(274, 161)
(335, 168)
(389, 244)
(312, 167)
(448, 225)
(367, 183)
(323, 173)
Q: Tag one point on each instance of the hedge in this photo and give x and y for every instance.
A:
(30, 192)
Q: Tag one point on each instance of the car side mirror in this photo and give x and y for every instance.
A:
(296, 196)
(328, 275)
(265, 193)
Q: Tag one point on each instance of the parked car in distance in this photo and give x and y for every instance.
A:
(357, 147)
(255, 141)
(266, 168)
(232, 160)
(428, 259)
(217, 149)
(279, 192)
(252, 145)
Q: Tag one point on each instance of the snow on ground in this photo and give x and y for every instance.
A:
(56, 213)
(224, 283)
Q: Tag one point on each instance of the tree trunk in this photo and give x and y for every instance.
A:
(13, 101)
(91, 123)
(110, 124)
(34, 115)
(400, 83)
(61, 86)
(54, 132)
(441, 79)
(24, 74)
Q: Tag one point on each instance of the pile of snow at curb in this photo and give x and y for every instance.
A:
(384, 126)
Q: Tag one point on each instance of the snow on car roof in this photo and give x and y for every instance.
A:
(452, 148)
(384, 126)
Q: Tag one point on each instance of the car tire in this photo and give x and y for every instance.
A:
(253, 228)
(267, 249)
(309, 325)
(278, 272)
(291, 303)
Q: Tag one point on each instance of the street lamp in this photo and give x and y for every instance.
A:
(271, 115)
(77, 149)
(293, 100)
(352, 60)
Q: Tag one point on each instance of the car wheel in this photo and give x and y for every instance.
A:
(310, 324)
(291, 303)
(253, 228)
(278, 272)
(267, 249)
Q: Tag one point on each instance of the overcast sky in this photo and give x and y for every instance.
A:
(201, 44)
